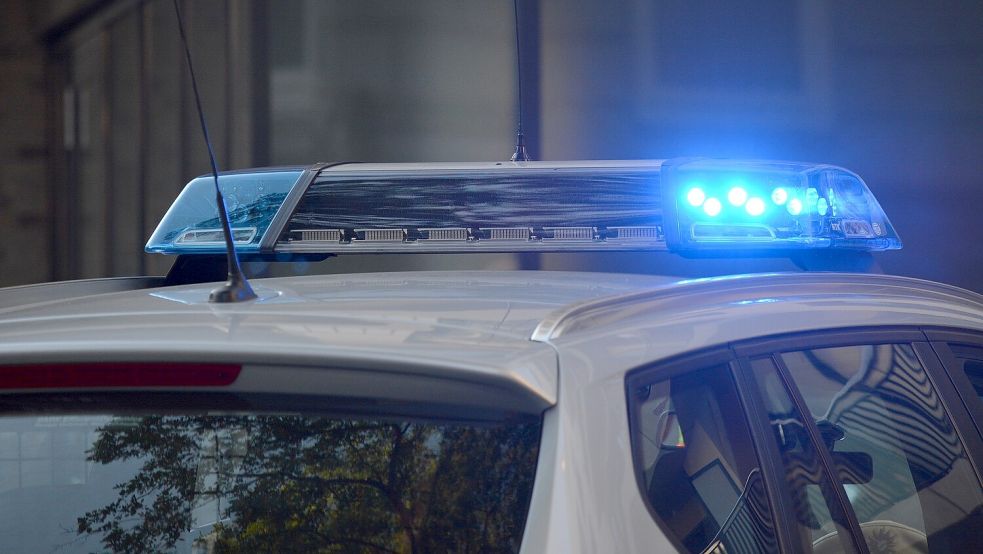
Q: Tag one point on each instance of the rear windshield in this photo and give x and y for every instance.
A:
(262, 482)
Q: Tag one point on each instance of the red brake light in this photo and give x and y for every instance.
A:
(117, 374)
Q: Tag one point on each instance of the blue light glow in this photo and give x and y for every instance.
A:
(794, 206)
(822, 206)
(696, 196)
(758, 205)
(812, 197)
(755, 206)
(737, 196)
(192, 224)
(712, 207)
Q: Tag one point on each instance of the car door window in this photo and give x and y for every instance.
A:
(818, 517)
(696, 462)
(896, 453)
(970, 360)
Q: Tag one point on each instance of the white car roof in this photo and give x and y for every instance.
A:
(474, 326)
(483, 324)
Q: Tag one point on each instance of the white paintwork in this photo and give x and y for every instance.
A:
(477, 325)
(466, 325)
(600, 340)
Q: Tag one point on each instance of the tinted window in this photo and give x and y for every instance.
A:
(697, 462)
(248, 482)
(971, 362)
(817, 515)
(897, 455)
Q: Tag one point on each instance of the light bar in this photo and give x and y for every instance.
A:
(488, 207)
(685, 206)
(727, 205)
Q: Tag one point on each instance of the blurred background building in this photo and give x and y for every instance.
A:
(98, 131)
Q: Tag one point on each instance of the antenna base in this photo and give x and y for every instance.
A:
(520, 154)
(236, 289)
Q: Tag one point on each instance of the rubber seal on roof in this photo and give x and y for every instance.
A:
(282, 215)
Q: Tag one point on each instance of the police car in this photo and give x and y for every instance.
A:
(482, 411)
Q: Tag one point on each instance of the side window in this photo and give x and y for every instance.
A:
(895, 452)
(970, 362)
(817, 514)
(696, 461)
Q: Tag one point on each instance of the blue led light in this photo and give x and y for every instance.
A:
(758, 205)
(755, 206)
(737, 196)
(696, 196)
(794, 206)
(712, 207)
(812, 197)
(822, 206)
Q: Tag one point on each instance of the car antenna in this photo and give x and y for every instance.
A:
(520, 154)
(237, 288)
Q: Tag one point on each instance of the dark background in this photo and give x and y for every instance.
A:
(98, 132)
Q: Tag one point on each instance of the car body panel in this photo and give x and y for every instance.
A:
(469, 326)
(566, 340)
(599, 341)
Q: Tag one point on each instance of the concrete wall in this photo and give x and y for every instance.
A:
(24, 178)
(127, 136)
(381, 81)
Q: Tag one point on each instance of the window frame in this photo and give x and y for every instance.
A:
(930, 346)
(762, 422)
(940, 341)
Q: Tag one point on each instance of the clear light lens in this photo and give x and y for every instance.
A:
(696, 196)
(755, 206)
(737, 196)
(712, 207)
(779, 196)
(794, 206)
(192, 224)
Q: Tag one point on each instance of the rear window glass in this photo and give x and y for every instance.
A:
(262, 482)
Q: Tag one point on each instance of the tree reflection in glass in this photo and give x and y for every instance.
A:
(315, 484)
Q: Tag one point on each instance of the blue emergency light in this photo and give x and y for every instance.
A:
(726, 205)
(687, 206)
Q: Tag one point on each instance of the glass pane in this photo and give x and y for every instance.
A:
(901, 463)
(971, 359)
(247, 482)
(700, 471)
(821, 523)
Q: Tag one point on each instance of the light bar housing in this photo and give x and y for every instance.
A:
(252, 198)
(757, 205)
(532, 206)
